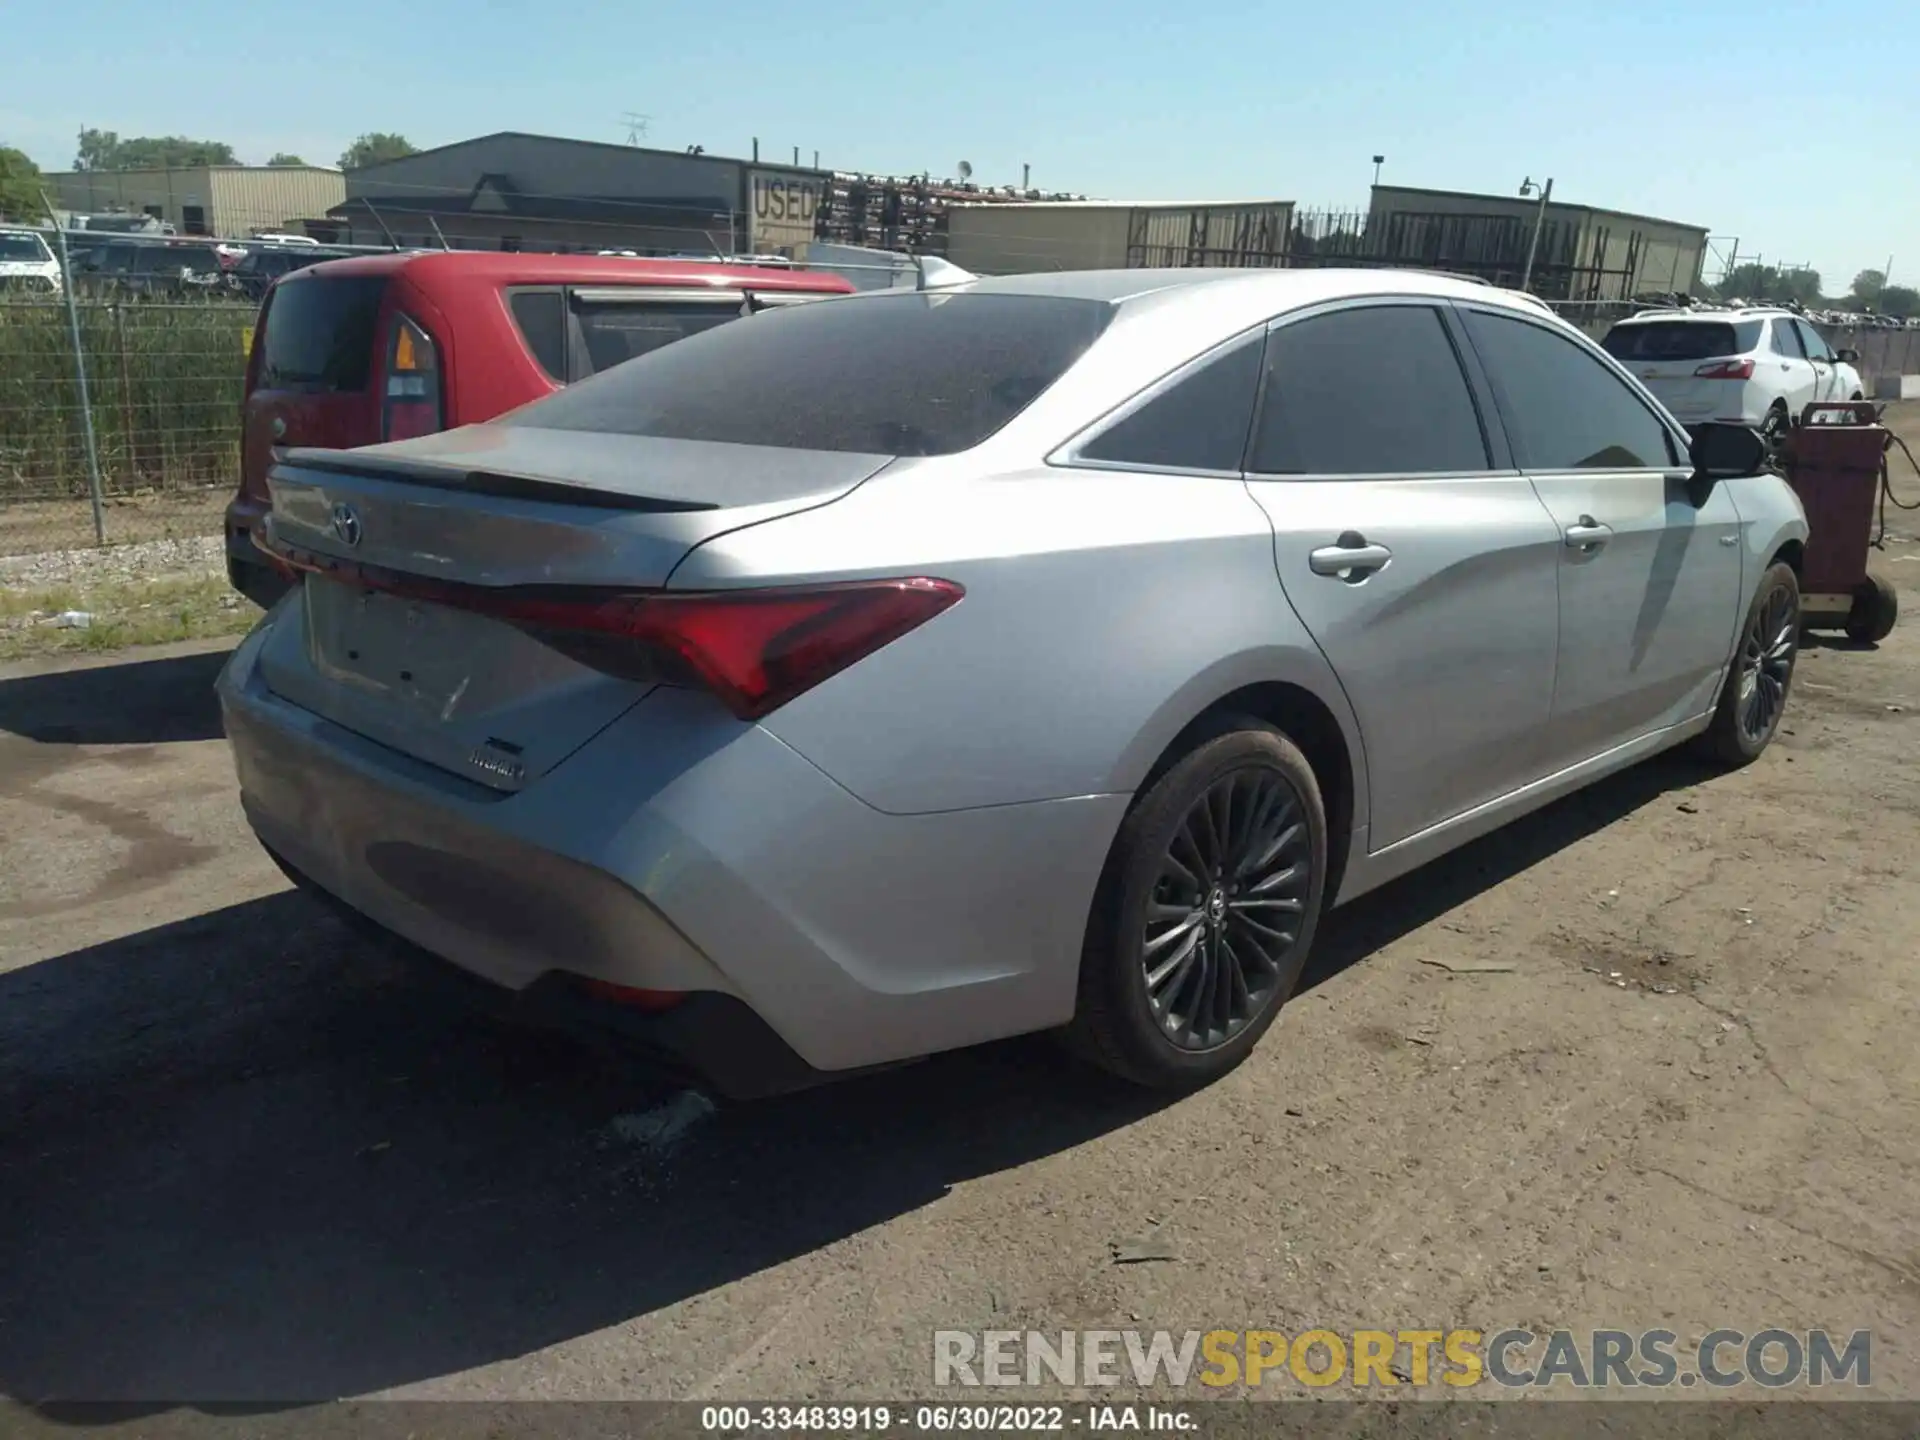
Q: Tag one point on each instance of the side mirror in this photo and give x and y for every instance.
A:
(1726, 452)
(1847, 357)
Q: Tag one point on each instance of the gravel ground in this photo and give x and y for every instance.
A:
(143, 560)
(1642, 1059)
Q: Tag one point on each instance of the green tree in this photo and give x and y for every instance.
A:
(1902, 301)
(374, 147)
(19, 186)
(105, 150)
(1867, 286)
(282, 158)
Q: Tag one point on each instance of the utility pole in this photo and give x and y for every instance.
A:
(1539, 220)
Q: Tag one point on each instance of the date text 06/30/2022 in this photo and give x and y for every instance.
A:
(943, 1418)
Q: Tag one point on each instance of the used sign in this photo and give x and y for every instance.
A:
(780, 209)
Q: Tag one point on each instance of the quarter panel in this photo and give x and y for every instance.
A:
(1100, 606)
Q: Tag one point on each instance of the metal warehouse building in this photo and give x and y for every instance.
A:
(513, 191)
(1115, 235)
(1586, 255)
(226, 200)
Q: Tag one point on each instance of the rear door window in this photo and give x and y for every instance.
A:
(613, 326)
(1376, 390)
(1198, 423)
(885, 374)
(320, 333)
(1563, 408)
(1785, 342)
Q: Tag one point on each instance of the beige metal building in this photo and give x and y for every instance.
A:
(1116, 235)
(1586, 254)
(225, 200)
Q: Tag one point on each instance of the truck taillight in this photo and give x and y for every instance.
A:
(412, 402)
(1726, 370)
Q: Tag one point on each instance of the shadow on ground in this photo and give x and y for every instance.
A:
(136, 702)
(243, 1158)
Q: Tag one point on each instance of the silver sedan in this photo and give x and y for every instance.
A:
(895, 673)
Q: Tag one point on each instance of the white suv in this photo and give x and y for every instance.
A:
(26, 263)
(1757, 367)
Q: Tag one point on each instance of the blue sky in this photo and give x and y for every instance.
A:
(1776, 121)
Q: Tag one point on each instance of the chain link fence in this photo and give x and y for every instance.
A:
(155, 445)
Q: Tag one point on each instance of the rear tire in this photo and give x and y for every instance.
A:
(1754, 695)
(1206, 911)
(1876, 608)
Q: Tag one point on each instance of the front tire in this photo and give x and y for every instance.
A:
(1206, 911)
(1754, 696)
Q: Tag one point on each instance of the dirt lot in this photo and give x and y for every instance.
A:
(1643, 1059)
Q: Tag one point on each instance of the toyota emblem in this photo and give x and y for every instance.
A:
(346, 524)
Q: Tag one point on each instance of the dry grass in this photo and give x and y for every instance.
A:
(125, 612)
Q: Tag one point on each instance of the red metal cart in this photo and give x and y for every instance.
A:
(1834, 459)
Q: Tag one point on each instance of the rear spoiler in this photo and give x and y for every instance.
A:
(503, 484)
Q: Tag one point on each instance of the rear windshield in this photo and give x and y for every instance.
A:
(320, 334)
(1682, 339)
(24, 247)
(910, 374)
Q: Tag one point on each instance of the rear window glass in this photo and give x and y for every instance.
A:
(912, 374)
(320, 334)
(617, 331)
(1681, 339)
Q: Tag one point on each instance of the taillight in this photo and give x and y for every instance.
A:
(1726, 370)
(256, 348)
(412, 404)
(754, 649)
(650, 1001)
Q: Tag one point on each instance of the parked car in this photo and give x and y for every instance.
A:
(875, 678)
(152, 267)
(375, 348)
(1754, 367)
(254, 272)
(27, 263)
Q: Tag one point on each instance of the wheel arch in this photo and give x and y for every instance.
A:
(1319, 722)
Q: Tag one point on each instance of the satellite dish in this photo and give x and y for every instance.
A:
(966, 169)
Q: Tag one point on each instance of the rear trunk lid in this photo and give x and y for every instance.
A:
(314, 374)
(494, 506)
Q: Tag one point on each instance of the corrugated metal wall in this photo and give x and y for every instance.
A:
(265, 199)
(1020, 239)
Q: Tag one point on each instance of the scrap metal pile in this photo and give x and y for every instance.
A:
(905, 212)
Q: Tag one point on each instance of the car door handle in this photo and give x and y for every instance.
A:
(1351, 558)
(1588, 534)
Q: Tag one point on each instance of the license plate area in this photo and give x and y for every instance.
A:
(419, 656)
